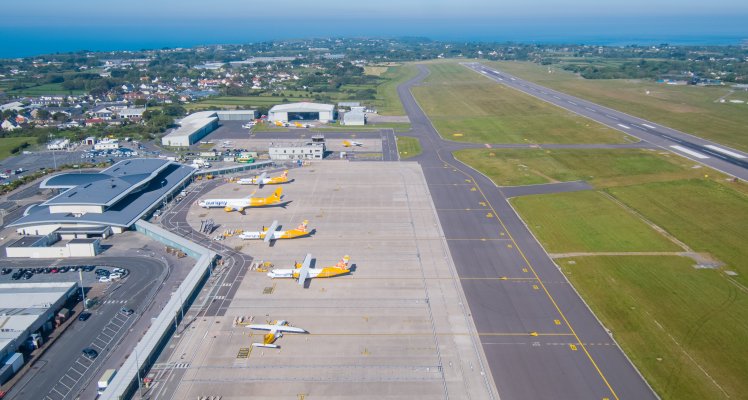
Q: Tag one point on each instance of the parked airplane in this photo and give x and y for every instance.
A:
(303, 271)
(299, 125)
(240, 204)
(350, 143)
(299, 231)
(276, 331)
(264, 180)
(281, 123)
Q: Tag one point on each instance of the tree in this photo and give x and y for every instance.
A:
(174, 110)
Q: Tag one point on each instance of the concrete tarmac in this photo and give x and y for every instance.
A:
(540, 338)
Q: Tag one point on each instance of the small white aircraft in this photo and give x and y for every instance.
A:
(276, 331)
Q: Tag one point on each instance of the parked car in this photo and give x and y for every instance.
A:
(126, 311)
(84, 316)
(90, 353)
(105, 279)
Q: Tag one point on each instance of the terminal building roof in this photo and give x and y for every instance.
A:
(136, 193)
(108, 186)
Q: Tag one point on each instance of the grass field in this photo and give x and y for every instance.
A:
(691, 109)
(459, 101)
(388, 100)
(708, 216)
(408, 147)
(48, 89)
(676, 323)
(7, 144)
(587, 222)
(600, 167)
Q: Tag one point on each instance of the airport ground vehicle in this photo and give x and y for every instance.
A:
(105, 380)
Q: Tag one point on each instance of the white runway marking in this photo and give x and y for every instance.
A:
(612, 117)
(571, 102)
(725, 151)
(690, 152)
(649, 126)
(624, 126)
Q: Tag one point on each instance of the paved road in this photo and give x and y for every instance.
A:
(717, 156)
(62, 371)
(540, 339)
(236, 263)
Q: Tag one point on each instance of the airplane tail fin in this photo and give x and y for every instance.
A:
(285, 174)
(344, 262)
(276, 196)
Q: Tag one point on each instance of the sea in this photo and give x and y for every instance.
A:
(19, 40)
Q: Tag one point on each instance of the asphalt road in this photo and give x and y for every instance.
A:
(540, 339)
(62, 371)
(236, 263)
(717, 156)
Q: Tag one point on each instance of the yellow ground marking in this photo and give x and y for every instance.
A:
(545, 289)
(482, 203)
(473, 189)
(534, 333)
(489, 215)
(509, 246)
(468, 180)
(573, 347)
(536, 287)
(557, 322)
(525, 270)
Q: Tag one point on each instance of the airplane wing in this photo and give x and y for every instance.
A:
(262, 178)
(304, 271)
(270, 233)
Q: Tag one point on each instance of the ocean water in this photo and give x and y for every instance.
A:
(18, 40)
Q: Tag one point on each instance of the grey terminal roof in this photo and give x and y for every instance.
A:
(108, 186)
(129, 208)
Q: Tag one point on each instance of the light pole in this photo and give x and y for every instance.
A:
(83, 292)
(54, 159)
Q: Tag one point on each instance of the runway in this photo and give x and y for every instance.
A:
(540, 339)
(714, 155)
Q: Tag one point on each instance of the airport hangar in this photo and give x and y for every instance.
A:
(303, 111)
(110, 201)
(196, 126)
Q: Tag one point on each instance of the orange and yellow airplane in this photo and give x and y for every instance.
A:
(302, 272)
(229, 205)
(276, 329)
(299, 231)
(350, 143)
(264, 180)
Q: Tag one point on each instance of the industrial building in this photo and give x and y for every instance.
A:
(355, 117)
(27, 312)
(196, 126)
(302, 112)
(49, 246)
(314, 150)
(97, 204)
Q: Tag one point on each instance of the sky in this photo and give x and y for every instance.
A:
(39, 26)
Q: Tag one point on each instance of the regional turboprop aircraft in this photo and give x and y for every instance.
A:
(303, 271)
(350, 143)
(276, 331)
(264, 180)
(229, 205)
(299, 231)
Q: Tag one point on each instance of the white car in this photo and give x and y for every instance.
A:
(105, 279)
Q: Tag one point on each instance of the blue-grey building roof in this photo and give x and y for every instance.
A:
(108, 186)
(124, 212)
